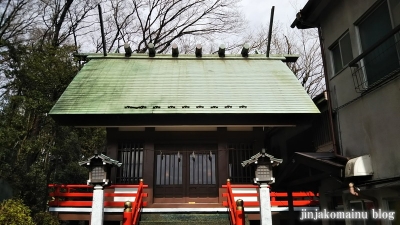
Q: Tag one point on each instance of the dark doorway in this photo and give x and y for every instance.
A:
(185, 173)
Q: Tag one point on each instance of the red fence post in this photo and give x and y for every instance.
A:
(231, 202)
(138, 203)
(127, 220)
(239, 212)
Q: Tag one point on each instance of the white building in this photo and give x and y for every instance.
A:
(361, 50)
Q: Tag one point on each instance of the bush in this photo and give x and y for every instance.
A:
(45, 218)
(14, 212)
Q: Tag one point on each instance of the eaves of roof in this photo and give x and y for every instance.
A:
(163, 85)
(309, 15)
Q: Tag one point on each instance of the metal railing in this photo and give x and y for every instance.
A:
(378, 64)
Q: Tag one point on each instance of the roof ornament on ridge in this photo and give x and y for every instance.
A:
(175, 50)
(128, 50)
(152, 50)
(245, 50)
(198, 51)
(221, 50)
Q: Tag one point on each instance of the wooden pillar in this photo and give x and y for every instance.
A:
(112, 151)
(223, 161)
(148, 162)
(223, 156)
(259, 139)
(148, 170)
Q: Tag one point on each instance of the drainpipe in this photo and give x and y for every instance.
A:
(328, 92)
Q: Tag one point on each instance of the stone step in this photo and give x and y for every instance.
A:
(183, 223)
(194, 218)
(185, 217)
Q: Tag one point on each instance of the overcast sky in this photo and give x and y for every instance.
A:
(258, 12)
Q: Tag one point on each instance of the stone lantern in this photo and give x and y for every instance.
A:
(99, 169)
(99, 176)
(264, 163)
(264, 177)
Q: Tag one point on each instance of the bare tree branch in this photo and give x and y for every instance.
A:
(16, 20)
(165, 21)
(308, 68)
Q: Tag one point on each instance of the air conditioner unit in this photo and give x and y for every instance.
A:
(359, 166)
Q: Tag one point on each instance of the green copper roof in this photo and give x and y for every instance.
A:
(166, 85)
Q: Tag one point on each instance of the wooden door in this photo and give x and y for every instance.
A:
(185, 173)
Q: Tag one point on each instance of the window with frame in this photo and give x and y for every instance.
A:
(383, 59)
(131, 157)
(238, 152)
(341, 53)
(395, 11)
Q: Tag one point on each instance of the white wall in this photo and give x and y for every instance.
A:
(370, 125)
